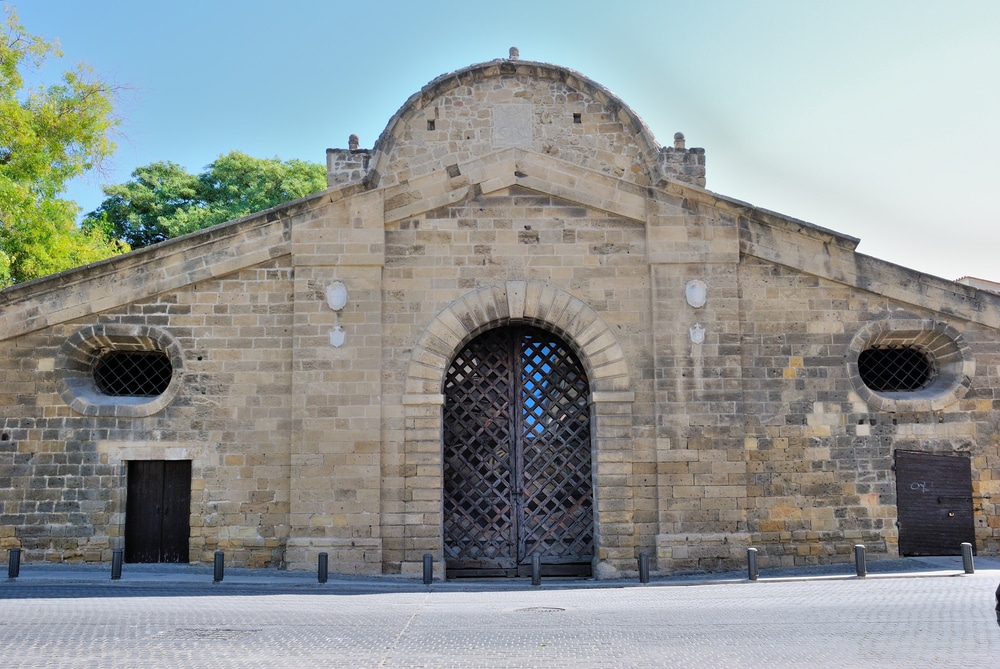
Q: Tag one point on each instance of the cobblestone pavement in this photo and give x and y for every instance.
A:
(180, 619)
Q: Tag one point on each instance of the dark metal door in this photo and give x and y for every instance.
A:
(158, 511)
(517, 457)
(934, 503)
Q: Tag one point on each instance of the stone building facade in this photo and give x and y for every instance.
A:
(516, 325)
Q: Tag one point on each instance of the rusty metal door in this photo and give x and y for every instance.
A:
(517, 457)
(934, 503)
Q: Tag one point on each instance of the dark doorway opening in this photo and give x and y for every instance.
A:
(158, 511)
(934, 503)
(517, 457)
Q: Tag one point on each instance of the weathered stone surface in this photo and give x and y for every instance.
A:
(508, 192)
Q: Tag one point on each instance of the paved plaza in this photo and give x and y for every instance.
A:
(910, 613)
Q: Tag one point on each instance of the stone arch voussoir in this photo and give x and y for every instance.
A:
(531, 302)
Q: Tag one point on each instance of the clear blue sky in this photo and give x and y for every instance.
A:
(876, 118)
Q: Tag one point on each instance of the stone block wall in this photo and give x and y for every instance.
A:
(718, 424)
(721, 342)
(337, 407)
(515, 235)
(460, 118)
(346, 166)
(819, 458)
(65, 495)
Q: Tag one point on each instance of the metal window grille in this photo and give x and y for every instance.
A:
(895, 368)
(133, 373)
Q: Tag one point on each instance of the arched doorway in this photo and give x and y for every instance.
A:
(517, 457)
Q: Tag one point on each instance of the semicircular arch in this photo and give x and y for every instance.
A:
(546, 72)
(531, 302)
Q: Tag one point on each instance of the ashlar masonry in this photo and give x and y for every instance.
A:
(516, 325)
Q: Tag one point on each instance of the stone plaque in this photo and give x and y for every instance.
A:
(512, 126)
(696, 292)
(697, 332)
(337, 336)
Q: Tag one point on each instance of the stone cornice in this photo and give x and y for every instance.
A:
(146, 272)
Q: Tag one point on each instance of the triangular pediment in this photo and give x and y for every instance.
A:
(515, 168)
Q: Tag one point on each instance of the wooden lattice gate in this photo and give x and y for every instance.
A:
(517, 457)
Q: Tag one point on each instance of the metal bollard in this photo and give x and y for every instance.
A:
(967, 563)
(220, 567)
(116, 564)
(322, 567)
(644, 567)
(536, 569)
(859, 560)
(428, 568)
(14, 563)
(752, 564)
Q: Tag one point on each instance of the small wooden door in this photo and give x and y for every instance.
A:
(158, 511)
(934, 503)
(517, 457)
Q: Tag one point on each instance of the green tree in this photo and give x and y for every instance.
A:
(137, 211)
(162, 200)
(48, 135)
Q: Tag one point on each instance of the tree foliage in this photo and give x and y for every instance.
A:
(48, 135)
(162, 200)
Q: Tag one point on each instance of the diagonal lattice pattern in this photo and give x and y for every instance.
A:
(133, 373)
(555, 432)
(896, 368)
(478, 472)
(517, 462)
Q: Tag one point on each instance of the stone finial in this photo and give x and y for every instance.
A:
(515, 53)
(353, 142)
(678, 140)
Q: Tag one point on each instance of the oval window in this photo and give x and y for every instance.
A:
(905, 363)
(898, 368)
(114, 369)
(133, 373)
